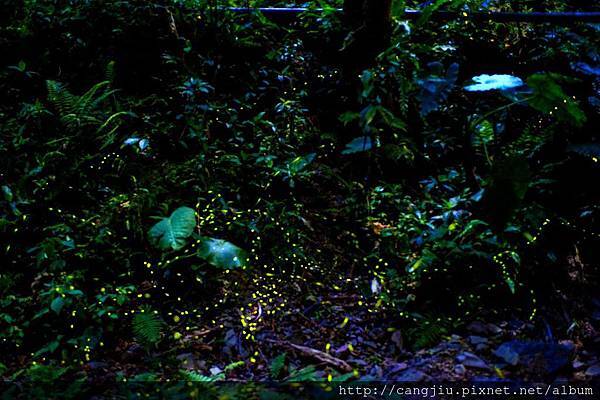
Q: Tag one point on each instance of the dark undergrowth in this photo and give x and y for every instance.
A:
(191, 195)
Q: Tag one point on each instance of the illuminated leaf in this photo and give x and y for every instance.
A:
(57, 304)
(485, 82)
(221, 253)
(171, 232)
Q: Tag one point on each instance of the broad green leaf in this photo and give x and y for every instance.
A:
(548, 97)
(426, 259)
(390, 119)
(398, 7)
(50, 347)
(57, 304)
(221, 253)
(172, 232)
(348, 117)
(429, 10)
(299, 163)
(368, 113)
(8, 195)
(471, 227)
(511, 284)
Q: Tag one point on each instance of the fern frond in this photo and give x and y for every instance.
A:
(81, 111)
(277, 365)
(147, 327)
(429, 331)
(109, 74)
(111, 119)
(194, 376)
(103, 97)
(86, 103)
(65, 102)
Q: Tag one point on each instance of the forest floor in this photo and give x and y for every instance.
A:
(332, 335)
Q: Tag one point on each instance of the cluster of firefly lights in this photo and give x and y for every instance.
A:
(266, 300)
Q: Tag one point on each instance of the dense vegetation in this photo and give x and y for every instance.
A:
(190, 194)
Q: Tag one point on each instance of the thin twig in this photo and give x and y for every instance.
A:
(314, 353)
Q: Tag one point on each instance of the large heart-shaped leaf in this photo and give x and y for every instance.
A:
(172, 232)
(549, 97)
(221, 253)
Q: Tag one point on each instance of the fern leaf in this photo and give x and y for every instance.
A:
(103, 97)
(194, 376)
(277, 365)
(85, 104)
(429, 331)
(147, 327)
(112, 118)
(110, 72)
(64, 102)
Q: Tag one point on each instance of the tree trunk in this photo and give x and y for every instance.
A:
(369, 26)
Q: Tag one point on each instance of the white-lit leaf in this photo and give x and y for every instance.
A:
(221, 253)
(485, 82)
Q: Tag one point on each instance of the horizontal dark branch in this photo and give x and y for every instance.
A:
(559, 18)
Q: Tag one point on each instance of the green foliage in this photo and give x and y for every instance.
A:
(147, 327)
(306, 374)
(193, 376)
(170, 233)
(428, 332)
(436, 5)
(436, 87)
(357, 145)
(277, 365)
(549, 97)
(80, 112)
(295, 168)
(507, 188)
(57, 304)
(221, 253)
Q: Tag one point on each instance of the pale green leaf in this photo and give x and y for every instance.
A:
(172, 232)
(221, 253)
(57, 304)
